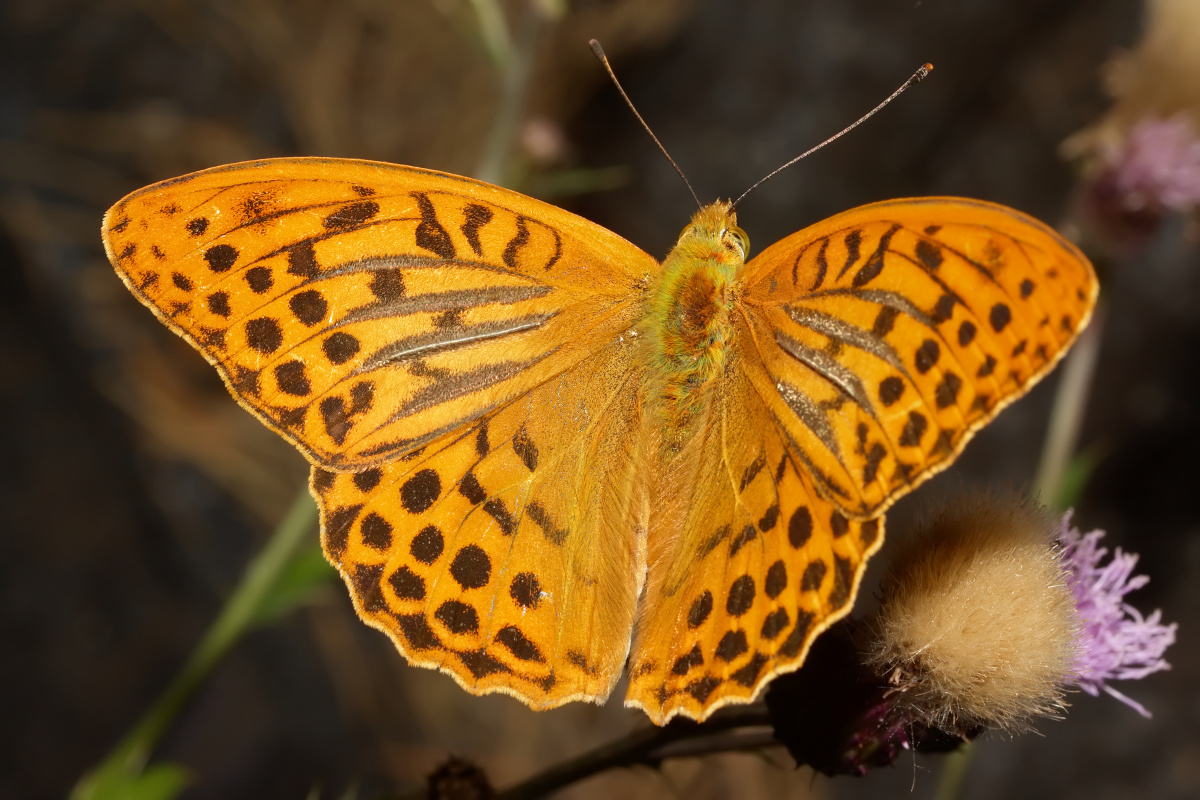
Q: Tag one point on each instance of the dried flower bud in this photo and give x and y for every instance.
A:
(459, 779)
(978, 626)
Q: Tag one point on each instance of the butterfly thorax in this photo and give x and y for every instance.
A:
(689, 322)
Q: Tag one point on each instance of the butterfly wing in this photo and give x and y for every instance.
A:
(748, 563)
(454, 359)
(891, 333)
(867, 351)
(363, 310)
(509, 552)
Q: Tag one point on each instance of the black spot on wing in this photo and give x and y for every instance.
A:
(475, 217)
(259, 279)
(926, 356)
(553, 533)
(220, 257)
(351, 215)
(496, 509)
(999, 317)
(518, 644)
(218, 303)
(885, 320)
(308, 307)
(340, 347)
(516, 243)
(891, 389)
(430, 233)
(366, 579)
(427, 545)
(291, 379)
(701, 607)
(525, 590)
(853, 241)
(752, 471)
(929, 254)
(685, 664)
(471, 567)
(302, 260)
(800, 527)
(420, 491)
(870, 270)
(822, 266)
(264, 335)
(943, 309)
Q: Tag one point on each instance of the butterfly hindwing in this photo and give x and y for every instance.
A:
(508, 553)
(892, 332)
(363, 310)
(747, 567)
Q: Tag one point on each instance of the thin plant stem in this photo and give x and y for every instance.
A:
(1070, 405)
(239, 613)
(954, 772)
(645, 746)
(514, 62)
(493, 29)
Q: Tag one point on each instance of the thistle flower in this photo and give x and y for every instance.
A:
(988, 616)
(1118, 643)
(1143, 157)
(978, 627)
(1158, 164)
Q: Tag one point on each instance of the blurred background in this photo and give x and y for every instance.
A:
(133, 490)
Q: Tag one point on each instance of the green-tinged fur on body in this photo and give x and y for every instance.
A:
(689, 323)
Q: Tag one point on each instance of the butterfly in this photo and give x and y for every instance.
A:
(541, 455)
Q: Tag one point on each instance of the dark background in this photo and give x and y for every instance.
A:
(133, 490)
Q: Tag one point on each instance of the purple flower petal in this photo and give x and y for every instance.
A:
(1158, 164)
(1117, 642)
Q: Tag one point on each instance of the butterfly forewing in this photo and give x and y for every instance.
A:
(890, 333)
(364, 310)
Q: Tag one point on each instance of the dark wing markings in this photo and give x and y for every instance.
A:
(830, 369)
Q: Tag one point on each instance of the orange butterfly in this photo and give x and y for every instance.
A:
(538, 452)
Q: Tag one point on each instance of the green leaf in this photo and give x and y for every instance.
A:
(157, 782)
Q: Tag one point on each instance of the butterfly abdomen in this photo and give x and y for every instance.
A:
(689, 322)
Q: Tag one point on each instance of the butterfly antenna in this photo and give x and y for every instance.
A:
(599, 51)
(916, 77)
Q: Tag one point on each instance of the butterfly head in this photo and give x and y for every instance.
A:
(713, 234)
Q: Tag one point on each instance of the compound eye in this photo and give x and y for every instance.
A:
(741, 240)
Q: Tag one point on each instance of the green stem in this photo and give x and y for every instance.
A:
(1066, 418)
(954, 772)
(240, 612)
(515, 65)
(494, 31)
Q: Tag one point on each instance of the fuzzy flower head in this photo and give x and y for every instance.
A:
(978, 627)
(1118, 643)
